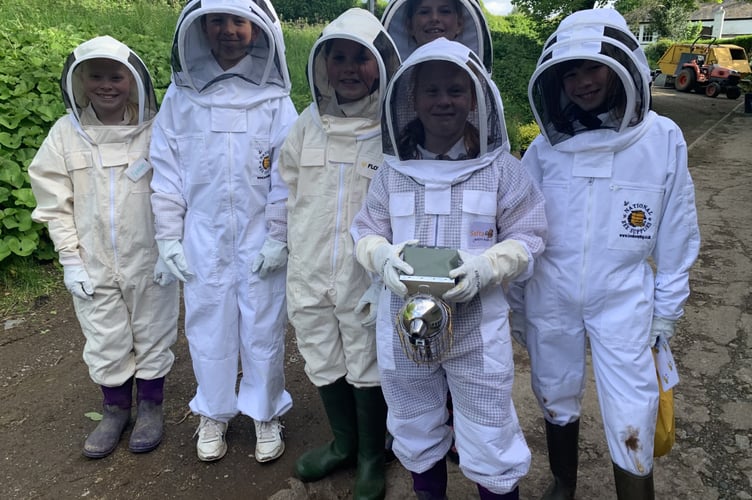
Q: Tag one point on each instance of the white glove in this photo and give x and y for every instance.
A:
(370, 299)
(77, 282)
(162, 274)
(502, 261)
(172, 254)
(377, 255)
(663, 328)
(271, 257)
(518, 327)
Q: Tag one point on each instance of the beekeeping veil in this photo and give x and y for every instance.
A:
(193, 64)
(400, 114)
(360, 26)
(600, 35)
(475, 33)
(142, 95)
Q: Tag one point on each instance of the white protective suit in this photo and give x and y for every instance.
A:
(91, 183)
(470, 205)
(616, 195)
(328, 161)
(214, 150)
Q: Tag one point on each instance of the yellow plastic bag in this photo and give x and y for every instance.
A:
(665, 432)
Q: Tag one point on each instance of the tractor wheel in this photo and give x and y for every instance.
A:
(713, 89)
(685, 81)
(733, 92)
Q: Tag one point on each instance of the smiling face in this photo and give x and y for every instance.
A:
(432, 19)
(228, 36)
(107, 85)
(587, 84)
(444, 98)
(352, 70)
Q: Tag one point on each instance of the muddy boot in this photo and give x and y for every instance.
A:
(431, 484)
(632, 487)
(488, 495)
(339, 404)
(116, 413)
(563, 452)
(370, 480)
(147, 433)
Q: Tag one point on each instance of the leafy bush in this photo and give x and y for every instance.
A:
(313, 11)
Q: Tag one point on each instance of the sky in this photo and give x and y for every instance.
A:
(498, 7)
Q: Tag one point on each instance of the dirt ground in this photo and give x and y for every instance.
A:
(45, 391)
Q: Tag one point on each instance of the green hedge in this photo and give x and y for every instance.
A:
(34, 49)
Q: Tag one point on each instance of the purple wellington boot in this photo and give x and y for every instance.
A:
(116, 412)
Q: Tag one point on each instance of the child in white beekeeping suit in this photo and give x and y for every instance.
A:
(328, 161)
(447, 181)
(412, 23)
(220, 214)
(618, 194)
(91, 180)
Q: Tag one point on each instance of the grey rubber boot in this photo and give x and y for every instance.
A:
(116, 412)
(563, 454)
(149, 428)
(632, 487)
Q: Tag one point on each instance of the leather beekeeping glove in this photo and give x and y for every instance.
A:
(271, 257)
(379, 256)
(370, 299)
(162, 274)
(501, 262)
(171, 252)
(77, 281)
(518, 327)
(663, 328)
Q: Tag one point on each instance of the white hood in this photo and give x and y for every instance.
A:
(194, 66)
(475, 33)
(487, 117)
(598, 35)
(142, 100)
(362, 27)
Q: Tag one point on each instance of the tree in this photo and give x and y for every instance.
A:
(553, 10)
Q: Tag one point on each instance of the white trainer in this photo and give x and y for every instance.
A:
(211, 443)
(270, 442)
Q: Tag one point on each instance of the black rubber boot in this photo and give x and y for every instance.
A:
(149, 428)
(632, 487)
(488, 495)
(116, 412)
(563, 455)
(339, 404)
(370, 481)
(431, 484)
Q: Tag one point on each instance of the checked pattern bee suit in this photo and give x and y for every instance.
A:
(328, 161)
(216, 188)
(470, 205)
(91, 183)
(618, 192)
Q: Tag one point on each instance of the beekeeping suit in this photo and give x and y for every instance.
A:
(467, 204)
(218, 192)
(618, 192)
(328, 161)
(91, 183)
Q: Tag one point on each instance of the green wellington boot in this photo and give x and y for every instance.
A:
(632, 487)
(370, 481)
(339, 404)
(563, 454)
